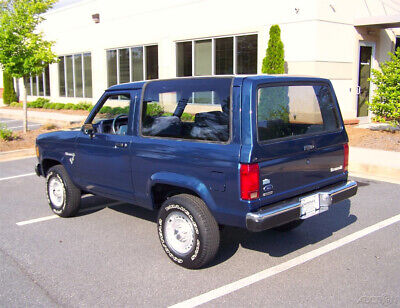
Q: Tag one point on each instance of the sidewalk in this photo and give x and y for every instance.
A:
(384, 165)
(43, 117)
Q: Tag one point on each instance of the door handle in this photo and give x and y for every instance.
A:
(309, 147)
(120, 145)
(358, 91)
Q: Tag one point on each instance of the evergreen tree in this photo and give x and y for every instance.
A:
(274, 61)
(9, 94)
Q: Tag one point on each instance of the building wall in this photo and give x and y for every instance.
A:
(319, 35)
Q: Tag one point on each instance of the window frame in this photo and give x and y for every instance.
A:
(82, 54)
(37, 84)
(213, 54)
(229, 141)
(144, 62)
(295, 137)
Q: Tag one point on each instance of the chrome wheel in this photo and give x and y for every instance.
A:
(179, 232)
(56, 192)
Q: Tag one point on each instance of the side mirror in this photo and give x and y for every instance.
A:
(88, 129)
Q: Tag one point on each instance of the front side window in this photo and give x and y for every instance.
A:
(112, 118)
(293, 110)
(195, 109)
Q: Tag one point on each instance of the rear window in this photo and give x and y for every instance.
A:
(285, 111)
(196, 109)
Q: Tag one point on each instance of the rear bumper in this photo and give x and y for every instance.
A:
(278, 214)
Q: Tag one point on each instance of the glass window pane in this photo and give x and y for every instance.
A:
(151, 62)
(224, 56)
(34, 86)
(246, 57)
(184, 59)
(111, 67)
(41, 86)
(78, 75)
(123, 59)
(137, 63)
(285, 111)
(87, 61)
(28, 86)
(70, 76)
(61, 76)
(47, 80)
(167, 111)
(202, 58)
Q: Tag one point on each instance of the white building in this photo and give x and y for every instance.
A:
(102, 42)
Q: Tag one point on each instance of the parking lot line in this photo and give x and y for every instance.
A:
(32, 221)
(244, 282)
(29, 125)
(17, 176)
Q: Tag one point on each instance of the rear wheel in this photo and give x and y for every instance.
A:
(289, 226)
(63, 196)
(187, 230)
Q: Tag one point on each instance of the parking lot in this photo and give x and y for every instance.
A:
(109, 255)
(16, 125)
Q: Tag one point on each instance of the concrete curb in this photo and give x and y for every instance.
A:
(17, 154)
(53, 118)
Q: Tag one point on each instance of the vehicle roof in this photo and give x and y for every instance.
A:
(237, 80)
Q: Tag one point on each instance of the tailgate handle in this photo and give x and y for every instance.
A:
(309, 147)
(120, 145)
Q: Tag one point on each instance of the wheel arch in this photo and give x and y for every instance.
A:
(163, 185)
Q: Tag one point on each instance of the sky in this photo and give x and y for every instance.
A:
(62, 3)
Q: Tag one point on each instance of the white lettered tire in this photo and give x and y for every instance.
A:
(63, 196)
(187, 230)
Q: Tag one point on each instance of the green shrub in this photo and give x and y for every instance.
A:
(154, 109)
(386, 101)
(106, 109)
(46, 105)
(69, 106)
(59, 106)
(187, 117)
(5, 133)
(39, 102)
(9, 94)
(274, 61)
(15, 104)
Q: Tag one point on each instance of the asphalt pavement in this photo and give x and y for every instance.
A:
(110, 255)
(16, 125)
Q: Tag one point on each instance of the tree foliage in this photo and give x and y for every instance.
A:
(9, 94)
(274, 61)
(23, 50)
(386, 101)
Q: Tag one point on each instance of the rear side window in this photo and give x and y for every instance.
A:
(195, 109)
(293, 110)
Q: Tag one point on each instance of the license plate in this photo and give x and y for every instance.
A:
(309, 206)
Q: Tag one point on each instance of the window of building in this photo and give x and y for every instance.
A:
(187, 109)
(217, 56)
(132, 64)
(397, 43)
(288, 111)
(39, 85)
(75, 75)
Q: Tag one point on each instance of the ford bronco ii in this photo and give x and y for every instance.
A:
(256, 152)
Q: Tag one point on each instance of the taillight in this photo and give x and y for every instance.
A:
(249, 181)
(346, 157)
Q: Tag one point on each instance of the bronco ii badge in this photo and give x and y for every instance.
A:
(72, 157)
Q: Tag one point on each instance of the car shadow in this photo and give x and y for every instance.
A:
(278, 244)
(274, 243)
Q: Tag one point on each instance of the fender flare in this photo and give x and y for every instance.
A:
(184, 181)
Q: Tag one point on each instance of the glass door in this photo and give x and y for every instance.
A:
(363, 89)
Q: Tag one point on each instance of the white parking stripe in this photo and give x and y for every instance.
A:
(8, 121)
(234, 286)
(17, 176)
(29, 125)
(32, 221)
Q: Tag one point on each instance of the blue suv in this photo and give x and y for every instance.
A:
(255, 152)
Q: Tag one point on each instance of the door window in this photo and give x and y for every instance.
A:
(112, 118)
(363, 80)
(285, 111)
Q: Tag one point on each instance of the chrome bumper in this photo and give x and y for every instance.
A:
(284, 212)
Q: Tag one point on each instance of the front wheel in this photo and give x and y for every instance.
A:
(63, 196)
(187, 230)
